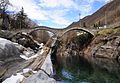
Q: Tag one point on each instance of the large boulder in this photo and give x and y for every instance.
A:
(9, 58)
(8, 51)
(108, 47)
(40, 77)
(26, 40)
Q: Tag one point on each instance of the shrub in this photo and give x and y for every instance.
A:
(108, 31)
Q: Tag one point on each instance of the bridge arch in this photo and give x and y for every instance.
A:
(44, 29)
(60, 32)
(81, 29)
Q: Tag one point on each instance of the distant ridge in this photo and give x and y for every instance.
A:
(108, 14)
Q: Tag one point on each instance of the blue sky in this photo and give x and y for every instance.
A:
(57, 13)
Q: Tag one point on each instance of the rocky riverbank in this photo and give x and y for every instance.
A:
(27, 61)
(24, 61)
(102, 54)
(104, 51)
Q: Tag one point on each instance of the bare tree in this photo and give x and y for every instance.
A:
(4, 4)
(5, 18)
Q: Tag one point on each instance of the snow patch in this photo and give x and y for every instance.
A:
(41, 45)
(28, 53)
(34, 71)
(24, 33)
(27, 58)
(26, 70)
(34, 56)
(22, 38)
(18, 77)
(24, 57)
(14, 79)
(41, 52)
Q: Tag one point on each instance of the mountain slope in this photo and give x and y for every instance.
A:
(108, 14)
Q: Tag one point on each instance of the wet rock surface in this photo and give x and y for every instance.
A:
(104, 52)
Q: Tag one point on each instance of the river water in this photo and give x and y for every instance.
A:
(79, 70)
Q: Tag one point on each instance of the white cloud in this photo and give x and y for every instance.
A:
(30, 7)
(53, 10)
(60, 20)
(58, 17)
(34, 11)
(58, 3)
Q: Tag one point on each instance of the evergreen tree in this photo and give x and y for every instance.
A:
(5, 18)
(13, 22)
(21, 16)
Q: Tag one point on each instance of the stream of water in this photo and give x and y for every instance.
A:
(79, 70)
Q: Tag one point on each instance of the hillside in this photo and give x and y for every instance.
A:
(108, 14)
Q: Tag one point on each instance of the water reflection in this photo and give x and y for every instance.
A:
(72, 67)
(79, 70)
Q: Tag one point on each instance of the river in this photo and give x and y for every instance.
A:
(79, 70)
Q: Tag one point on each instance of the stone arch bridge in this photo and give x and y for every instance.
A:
(57, 32)
(61, 32)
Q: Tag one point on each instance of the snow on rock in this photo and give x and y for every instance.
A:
(14, 78)
(41, 45)
(34, 71)
(28, 69)
(27, 58)
(16, 44)
(28, 53)
(34, 56)
(18, 77)
(3, 42)
(24, 57)
(24, 33)
(41, 52)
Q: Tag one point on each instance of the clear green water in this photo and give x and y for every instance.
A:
(80, 71)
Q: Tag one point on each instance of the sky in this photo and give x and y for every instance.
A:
(56, 13)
